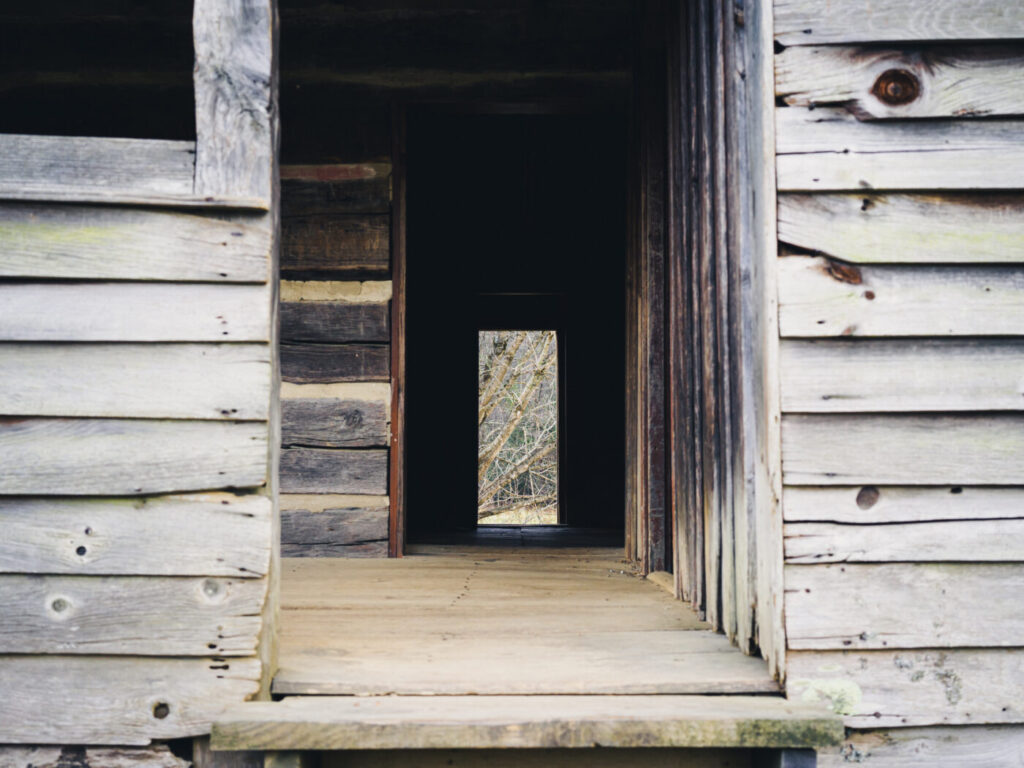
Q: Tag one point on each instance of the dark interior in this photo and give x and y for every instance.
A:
(515, 222)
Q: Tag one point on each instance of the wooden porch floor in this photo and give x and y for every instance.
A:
(459, 620)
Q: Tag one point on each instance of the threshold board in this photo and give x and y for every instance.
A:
(487, 722)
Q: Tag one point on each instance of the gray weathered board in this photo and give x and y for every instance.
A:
(964, 746)
(180, 381)
(334, 423)
(903, 449)
(880, 689)
(951, 81)
(134, 312)
(331, 470)
(129, 456)
(862, 375)
(875, 227)
(802, 22)
(335, 533)
(117, 700)
(334, 321)
(820, 297)
(118, 243)
(872, 504)
(131, 615)
(903, 605)
(324, 363)
(158, 756)
(138, 536)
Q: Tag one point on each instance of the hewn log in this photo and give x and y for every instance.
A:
(335, 533)
(334, 321)
(321, 363)
(131, 615)
(334, 423)
(92, 242)
(93, 457)
(315, 189)
(330, 245)
(325, 470)
(147, 536)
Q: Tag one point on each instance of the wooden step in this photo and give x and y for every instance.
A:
(484, 722)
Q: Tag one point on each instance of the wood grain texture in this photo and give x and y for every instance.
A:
(159, 756)
(828, 149)
(820, 297)
(946, 541)
(967, 746)
(336, 246)
(804, 22)
(112, 243)
(899, 228)
(334, 423)
(335, 533)
(131, 615)
(846, 376)
(902, 450)
(131, 537)
(951, 82)
(327, 470)
(89, 457)
(235, 100)
(117, 700)
(334, 321)
(134, 312)
(519, 721)
(872, 504)
(323, 363)
(358, 188)
(177, 381)
(881, 689)
(903, 605)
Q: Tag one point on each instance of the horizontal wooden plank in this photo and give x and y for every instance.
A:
(397, 722)
(334, 423)
(158, 756)
(113, 243)
(933, 81)
(117, 700)
(140, 615)
(879, 689)
(845, 375)
(828, 149)
(902, 450)
(964, 746)
(322, 363)
(903, 605)
(821, 297)
(873, 504)
(896, 228)
(334, 321)
(328, 470)
(357, 188)
(116, 457)
(944, 541)
(336, 245)
(335, 533)
(825, 21)
(137, 537)
(174, 381)
(134, 312)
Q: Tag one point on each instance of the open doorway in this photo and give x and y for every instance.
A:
(516, 231)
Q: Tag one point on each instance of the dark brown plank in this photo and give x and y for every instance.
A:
(308, 197)
(349, 532)
(328, 470)
(333, 423)
(332, 245)
(322, 363)
(334, 321)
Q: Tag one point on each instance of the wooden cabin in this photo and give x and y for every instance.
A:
(246, 251)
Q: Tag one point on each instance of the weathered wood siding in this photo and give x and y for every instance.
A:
(137, 345)
(335, 336)
(901, 228)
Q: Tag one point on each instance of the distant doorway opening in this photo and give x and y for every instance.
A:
(518, 428)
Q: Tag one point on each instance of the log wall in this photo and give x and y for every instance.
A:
(901, 228)
(335, 354)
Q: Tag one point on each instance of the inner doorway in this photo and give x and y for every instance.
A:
(515, 222)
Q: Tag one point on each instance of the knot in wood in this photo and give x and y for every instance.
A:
(896, 87)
